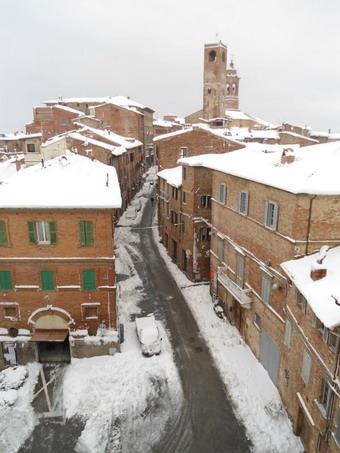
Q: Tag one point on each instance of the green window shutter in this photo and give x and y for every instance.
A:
(82, 232)
(47, 280)
(89, 280)
(6, 280)
(86, 232)
(53, 232)
(89, 233)
(32, 233)
(3, 233)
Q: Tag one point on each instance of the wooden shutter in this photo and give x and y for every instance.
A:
(82, 232)
(266, 288)
(89, 233)
(89, 280)
(6, 280)
(47, 280)
(53, 232)
(32, 233)
(306, 366)
(240, 270)
(3, 233)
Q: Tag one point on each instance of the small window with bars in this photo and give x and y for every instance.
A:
(91, 312)
(11, 313)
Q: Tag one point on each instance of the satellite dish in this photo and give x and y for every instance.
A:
(13, 332)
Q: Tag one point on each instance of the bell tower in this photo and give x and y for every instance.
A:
(214, 83)
(232, 88)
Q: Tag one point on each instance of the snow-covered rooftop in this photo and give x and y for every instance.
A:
(115, 150)
(69, 181)
(203, 127)
(314, 171)
(69, 109)
(239, 115)
(323, 134)
(172, 176)
(8, 168)
(318, 293)
(116, 139)
(19, 136)
(122, 101)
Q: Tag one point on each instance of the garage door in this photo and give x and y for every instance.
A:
(270, 355)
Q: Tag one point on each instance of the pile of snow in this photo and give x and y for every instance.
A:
(255, 398)
(172, 176)
(17, 419)
(13, 378)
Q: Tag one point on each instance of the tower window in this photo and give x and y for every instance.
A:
(223, 57)
(212, 55)
(209, 90)
(228, 88)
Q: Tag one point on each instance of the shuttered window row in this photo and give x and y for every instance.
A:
(43, 232)
(47, 280)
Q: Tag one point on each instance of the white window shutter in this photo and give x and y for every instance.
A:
(288, 333)
(266, 213)
(306, 366)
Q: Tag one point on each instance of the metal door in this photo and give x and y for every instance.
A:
(270, 355)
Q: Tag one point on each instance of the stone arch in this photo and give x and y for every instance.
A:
(50, 317)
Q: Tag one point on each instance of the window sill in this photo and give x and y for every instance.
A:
(91, 317)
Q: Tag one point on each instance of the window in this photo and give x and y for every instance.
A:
(337, 431)
(86, 232)
(204, 234)
(6, 280)
(222, 193)
(271, 215)
(325, 398)
(131, 157)
(11, 313)
(182, 224)
(306, 366)
(174, 218)
(3, 233)
(332, 340)
(301, 301)
(30, 147)
(42, 232)
(205, 201)
(240, 270)
(220, 248)
(183, 151)
(212, 55)
(184, 172)
(174, 192)
(167, 210)
(266, 287)
(243, 203)
(47, 280)
(184, 197)
(91, 312)
(257, 321)
(89, 280)
(288, 333)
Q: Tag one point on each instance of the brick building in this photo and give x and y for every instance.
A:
(20, 143)
(123, 153)
(57, 274)
(183, 209)
(52, 120)
(192, 141)
(310, 355)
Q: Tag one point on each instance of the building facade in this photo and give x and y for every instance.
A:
(57, 274)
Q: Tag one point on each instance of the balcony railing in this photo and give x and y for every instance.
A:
(243, 296)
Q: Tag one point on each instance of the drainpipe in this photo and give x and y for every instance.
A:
(309, 222)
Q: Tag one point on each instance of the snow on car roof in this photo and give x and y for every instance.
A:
(69, 181)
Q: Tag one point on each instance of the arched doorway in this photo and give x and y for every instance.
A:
(51, 334)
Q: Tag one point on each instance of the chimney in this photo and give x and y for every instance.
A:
(287, 156)
(318, 268)
(18, 164)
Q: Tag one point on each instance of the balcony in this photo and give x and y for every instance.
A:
(243, 296)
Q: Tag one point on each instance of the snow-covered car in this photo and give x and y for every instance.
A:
(149, 335)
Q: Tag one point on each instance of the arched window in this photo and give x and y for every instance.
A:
(228, 88)
(223, 57)
(212, 55)
(234, 88)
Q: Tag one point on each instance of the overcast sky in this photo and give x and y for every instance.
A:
(287, 54)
